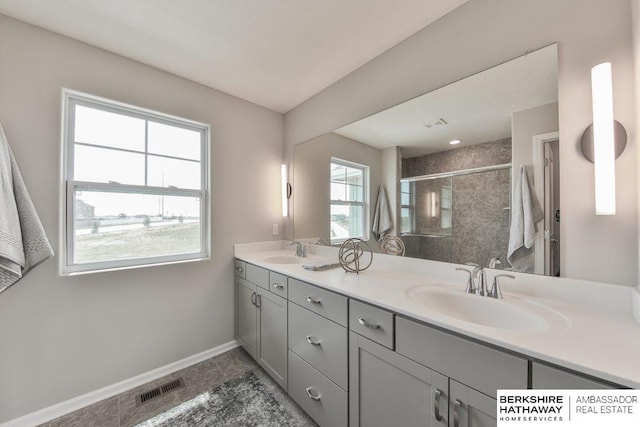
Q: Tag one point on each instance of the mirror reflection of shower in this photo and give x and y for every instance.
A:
(459, 216)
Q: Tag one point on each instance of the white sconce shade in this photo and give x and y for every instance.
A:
(285, 190)
(603, 139)
(433, 204)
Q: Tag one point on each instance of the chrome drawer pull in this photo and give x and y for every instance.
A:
(313, 340)
(368, 324)
(436, 405)
(314, 300)
(277, 285)
(253, 298)
(239, 269)
(456, 413)
(316, 396)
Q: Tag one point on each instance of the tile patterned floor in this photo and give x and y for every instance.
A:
(121, 410)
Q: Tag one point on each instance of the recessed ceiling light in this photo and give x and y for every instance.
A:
(455, 141)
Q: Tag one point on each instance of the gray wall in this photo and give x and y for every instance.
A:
(635, 19)
(482, 33)
(524, 125)
(64, 336)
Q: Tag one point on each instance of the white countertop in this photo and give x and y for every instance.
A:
(596, 333)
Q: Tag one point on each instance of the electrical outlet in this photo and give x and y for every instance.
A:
(275, 230)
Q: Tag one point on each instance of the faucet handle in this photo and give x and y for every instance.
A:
(494, 262)
(495, 291)
(301, 249)
(470, 286)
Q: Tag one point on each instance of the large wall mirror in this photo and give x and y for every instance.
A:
(469, 172)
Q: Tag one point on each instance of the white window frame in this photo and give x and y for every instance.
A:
(410, 208)
(69, 186)
(364, 203)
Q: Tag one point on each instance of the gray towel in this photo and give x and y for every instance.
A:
(23, 243)
(382, 221)
(526, 212)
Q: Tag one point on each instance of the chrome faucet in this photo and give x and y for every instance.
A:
(495, 291)
(471, 289)
(301, 250)
(478, 274)
(494, 262)
(477, 282)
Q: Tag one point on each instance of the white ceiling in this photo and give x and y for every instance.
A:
(275, 53)
(476, 109)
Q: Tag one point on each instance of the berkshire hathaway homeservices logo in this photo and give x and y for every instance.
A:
(574, 408)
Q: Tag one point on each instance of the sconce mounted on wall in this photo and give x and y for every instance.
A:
(287, 191)
(603, 141)
(620, 141)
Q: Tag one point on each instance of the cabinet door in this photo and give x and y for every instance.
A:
(272, 336)
(387, 389)
(470, 408)
(246, 318)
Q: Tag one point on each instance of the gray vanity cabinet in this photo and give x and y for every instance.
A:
(388, 389)
(470, 408)
(475, 371)
(272, 335)
(246, 316)
(261, 326)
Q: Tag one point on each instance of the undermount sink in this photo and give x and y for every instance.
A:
(509, 313)
(284, 259)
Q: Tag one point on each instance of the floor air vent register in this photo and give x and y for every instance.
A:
(154, 393)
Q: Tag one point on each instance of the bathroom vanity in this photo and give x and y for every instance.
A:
(403, 344)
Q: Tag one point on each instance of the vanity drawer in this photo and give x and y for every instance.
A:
(371, 322)
(325, 303)
(278, 284)
(324, 401)
(549, 377)
(257, 275)
(240, 268)
(320, 342)
(478, 366)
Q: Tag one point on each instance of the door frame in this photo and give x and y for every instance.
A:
(538, 180)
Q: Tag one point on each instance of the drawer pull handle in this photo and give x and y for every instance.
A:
(314, 300)
(313, 340)
(436, 405)
(368, 324)
(456, 413)
(239, 269)
(253, 298)
(277, 285)
(317, 396)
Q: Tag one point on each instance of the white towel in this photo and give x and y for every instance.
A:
(382, 221)
(526, 212)
(23, 243)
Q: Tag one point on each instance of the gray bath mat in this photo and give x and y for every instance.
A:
(244, 401)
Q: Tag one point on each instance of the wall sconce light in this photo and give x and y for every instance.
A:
(604, 140)
(433, 204)
(286, 190)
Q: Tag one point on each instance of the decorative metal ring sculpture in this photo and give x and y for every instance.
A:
(391, 245)
(352, 255)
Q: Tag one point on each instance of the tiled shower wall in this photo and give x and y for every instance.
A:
(480, 205)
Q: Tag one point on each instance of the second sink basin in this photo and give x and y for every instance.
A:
(510, 313)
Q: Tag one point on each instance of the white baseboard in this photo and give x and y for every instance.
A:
(52, 412)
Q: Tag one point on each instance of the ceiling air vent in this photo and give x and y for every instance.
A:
(159, 391)
(439, 122)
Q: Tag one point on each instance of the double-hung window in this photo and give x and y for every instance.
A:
(349, 200)
(135, 184)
